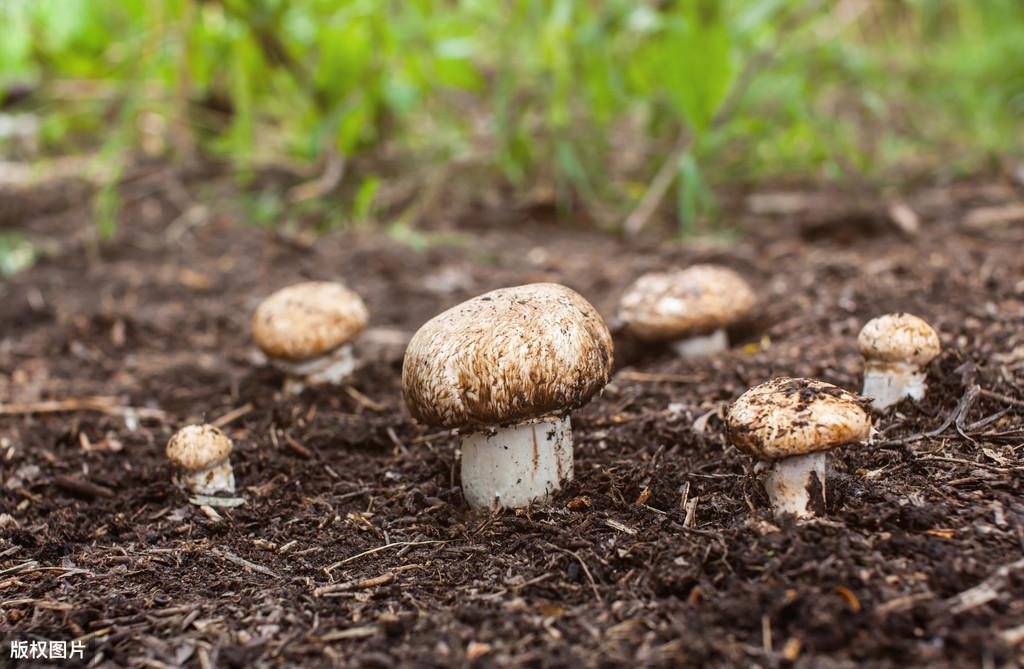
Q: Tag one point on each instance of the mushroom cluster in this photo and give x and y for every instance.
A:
(507, 368)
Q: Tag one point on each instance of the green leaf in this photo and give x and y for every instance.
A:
(689, 62)
(366, 196)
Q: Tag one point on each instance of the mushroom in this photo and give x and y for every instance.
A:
(896, 348)
(201, 455)
(506, 369)
(689, 308)
(789, 425)
(306, 330)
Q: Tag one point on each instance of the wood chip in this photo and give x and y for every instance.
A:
(984, 217)
(82, 488)
(221, 502)
(350, 633)
(616, 525)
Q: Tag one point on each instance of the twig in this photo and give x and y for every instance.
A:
(99, 404)
(616, 525)
(647, 377)
(955, 416)
(655, 193)
(231, 557)
(430, 437)
(586, 570)
(334, 170)
(394, 544)
(1005, 399)
(31, 564)
(294, 444)
(334, 588)
(977, 425)
(984, 592)
(233, 415)
(961, 461)
(363, 400)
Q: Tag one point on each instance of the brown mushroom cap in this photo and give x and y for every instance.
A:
(786, 417)
(662, 306)
(509, 355)
(196, 447)
(308, 320)
(898, 338)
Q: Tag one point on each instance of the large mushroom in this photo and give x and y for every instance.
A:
(306, 330)
(896, 349)
(790, 425)
(201, 456)
(688, 308)
(506, 368)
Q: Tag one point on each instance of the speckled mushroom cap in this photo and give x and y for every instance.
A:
(663, 306)
(196, 447)
(308, 320)
(510, 355)
(786, 417)
(898, 338)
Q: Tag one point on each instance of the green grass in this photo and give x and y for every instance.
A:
(590, 98)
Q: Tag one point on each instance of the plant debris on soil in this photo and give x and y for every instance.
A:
(353, 545)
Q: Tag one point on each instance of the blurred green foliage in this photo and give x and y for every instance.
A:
(591, 98)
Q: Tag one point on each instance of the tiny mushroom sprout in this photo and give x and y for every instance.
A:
(506, 368)
(896, 349)
(201, 455)
(306, 330)
(789, 425)
(689, 308)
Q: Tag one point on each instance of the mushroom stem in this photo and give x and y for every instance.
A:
(702, 345)
(513, 466)
(797, 485)
(330, 368)
(888, 383)
(218, 477)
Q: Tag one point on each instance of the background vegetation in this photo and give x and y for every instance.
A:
(603, 108)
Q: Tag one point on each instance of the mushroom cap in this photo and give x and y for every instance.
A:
(785, 417)
(898, 338)
(662, 306)
(507, 356)
(196, 447)
(308, 320)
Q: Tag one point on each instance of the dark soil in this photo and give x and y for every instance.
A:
(662, 552)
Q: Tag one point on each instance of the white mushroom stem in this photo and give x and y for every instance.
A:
(513, 466)
(330, 368)
(216, 478)
(888, 383)
(796, 485)
(700, 346)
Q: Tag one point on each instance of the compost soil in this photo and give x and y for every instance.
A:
(354, 546)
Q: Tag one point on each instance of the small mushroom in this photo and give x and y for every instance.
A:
(306, 330)
(506, 369)
(896, 349)
(689, 308)
(201, 454)
(789, 425)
